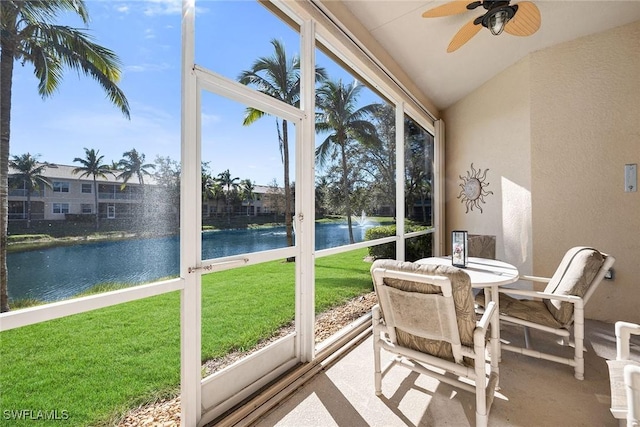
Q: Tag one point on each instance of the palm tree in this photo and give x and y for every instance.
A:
(29, 176)
(378, 157)
(247, 188)
(217, 193)
(92, 166)
(28, 35)
(132, 165)
(114, 166)
(339, 116)
(278, 77)
(229, 184)
(211, 188)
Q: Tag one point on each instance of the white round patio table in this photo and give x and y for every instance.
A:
(485, 273)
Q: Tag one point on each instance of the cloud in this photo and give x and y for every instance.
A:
(209, 119)
(163, 7)
(141, 68)
(151, 7)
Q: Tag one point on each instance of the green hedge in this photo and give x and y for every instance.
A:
(416, 248)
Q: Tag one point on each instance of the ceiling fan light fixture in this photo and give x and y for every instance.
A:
(497, 21)
(497, 18)
(500, 16)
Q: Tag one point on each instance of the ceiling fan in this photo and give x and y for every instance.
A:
(521, 19)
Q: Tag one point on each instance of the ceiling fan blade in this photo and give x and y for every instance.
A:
(464, 35)
(525, 22)
(452, 8)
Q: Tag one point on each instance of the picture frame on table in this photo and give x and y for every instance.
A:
(459, 248)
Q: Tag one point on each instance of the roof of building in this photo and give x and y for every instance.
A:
(55, 171)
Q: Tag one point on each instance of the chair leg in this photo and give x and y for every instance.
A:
(376, 352)
(378, 373)
(527, 337)
(482, 411)
(482, 420)
(578, 338)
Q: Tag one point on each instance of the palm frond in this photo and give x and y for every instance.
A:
(251, 115)
(52, 48)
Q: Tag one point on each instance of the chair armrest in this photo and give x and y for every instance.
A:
(624, 330)
(486, 316)
(480, 332)
(536, 294)
(375, 314)
(534, 278)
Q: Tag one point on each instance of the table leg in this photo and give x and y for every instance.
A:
(495, 327)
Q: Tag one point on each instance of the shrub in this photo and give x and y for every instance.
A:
(90, 218)
(387, 250)
(416, 248)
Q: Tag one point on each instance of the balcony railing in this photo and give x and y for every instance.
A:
(21, 192)
(119, 196)
(23, 215)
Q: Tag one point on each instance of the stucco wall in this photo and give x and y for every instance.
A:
(585, 123)
(490, 129)
(556, 148)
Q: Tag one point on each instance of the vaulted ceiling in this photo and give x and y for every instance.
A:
(419, 45)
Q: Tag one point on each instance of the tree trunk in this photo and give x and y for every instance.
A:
(6, 76)
(28, 208)
(345, 191)
(142, 218)
(95, 197)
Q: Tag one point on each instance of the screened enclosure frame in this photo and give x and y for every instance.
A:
(316, 25)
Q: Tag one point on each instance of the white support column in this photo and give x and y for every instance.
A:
(439, 243)
(305, 198)
(190, 220)
(400, 178)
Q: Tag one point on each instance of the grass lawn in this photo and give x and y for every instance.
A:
(91, 367)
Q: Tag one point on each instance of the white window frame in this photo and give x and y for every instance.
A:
(86, 186)
(61, 187)
(62, 208)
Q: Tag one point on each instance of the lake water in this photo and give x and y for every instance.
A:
(61, 272)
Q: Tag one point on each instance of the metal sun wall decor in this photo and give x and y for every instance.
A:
(473, 188)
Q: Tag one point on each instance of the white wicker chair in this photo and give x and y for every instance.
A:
(560, 307)
(425, 316)
(624, 377)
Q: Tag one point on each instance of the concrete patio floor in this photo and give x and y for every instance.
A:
(533, 392)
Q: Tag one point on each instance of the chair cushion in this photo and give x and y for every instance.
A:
(462, 296)
(482, 246)
(574, 275)
(525, 309)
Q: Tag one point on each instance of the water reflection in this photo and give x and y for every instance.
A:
(62, 272)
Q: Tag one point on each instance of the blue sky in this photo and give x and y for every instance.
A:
(146, 37)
